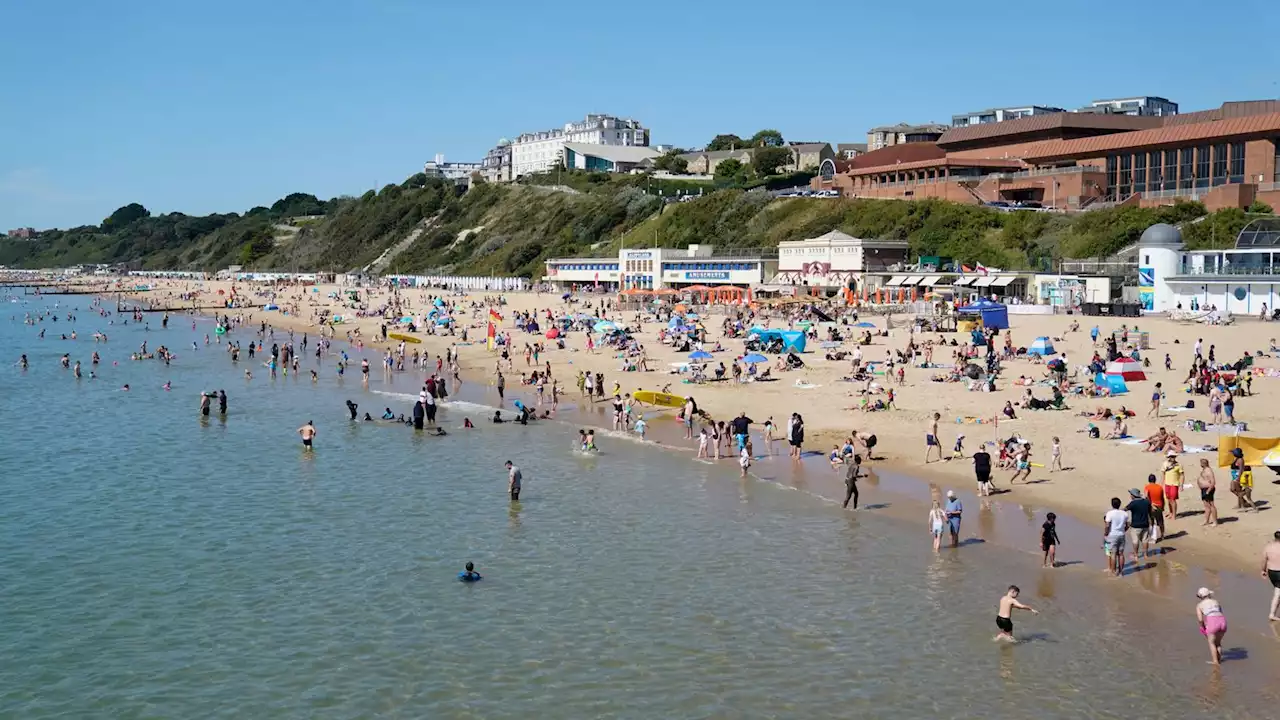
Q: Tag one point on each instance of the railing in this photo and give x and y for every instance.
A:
(1041, 172)
(1268, 187)
(1098, 267)
(1231, 270)
(1191, 193)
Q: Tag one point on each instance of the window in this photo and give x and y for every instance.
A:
(1111, 173)
(1153, 178)
(1276, 144)
(1170, 169)
(1186, 173)
(1126, 176)
(1140, 172)
(1219, 164)
(1235, 173)
(1202, 166)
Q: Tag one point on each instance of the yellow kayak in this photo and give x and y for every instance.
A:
(406, 338)
(650, 397)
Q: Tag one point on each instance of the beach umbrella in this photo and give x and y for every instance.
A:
(439, 302)
(864, 324)
(700, 355)
(754, 358)
(1127, 368)
(406, 320)
(606, 326)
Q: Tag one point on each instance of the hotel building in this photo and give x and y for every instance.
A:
(659, 268)
(541, 151)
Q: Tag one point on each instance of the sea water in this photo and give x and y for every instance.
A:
(157, 563)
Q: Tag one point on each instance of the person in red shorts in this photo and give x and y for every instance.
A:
(1172, 483)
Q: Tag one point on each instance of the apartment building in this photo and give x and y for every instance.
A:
(541, 151)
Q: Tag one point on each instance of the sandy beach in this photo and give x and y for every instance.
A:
(1095, 469)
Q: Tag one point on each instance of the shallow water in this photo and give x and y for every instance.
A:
(160, 565)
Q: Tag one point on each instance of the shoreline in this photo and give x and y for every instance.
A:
(896, 437)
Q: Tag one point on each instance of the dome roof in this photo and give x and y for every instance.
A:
(1161, 234)
(503, 142)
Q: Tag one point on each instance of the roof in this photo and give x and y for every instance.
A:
(907, 152)
(1040, 123)
(844, 147)
(614, 153)
(1237, 108)
(808, 147)
(905, 128)
(715, 154)
(996, 163)
(1133, 97)
(1176, 134)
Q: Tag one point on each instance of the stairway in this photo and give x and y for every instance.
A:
(380, 264)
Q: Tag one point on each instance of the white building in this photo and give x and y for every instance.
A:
(995, 115)
(541, 151)
(1238, 281)
(606, 158)
(456, 171)
(658, 268)
(835, 259)
(496, 166)
(1145, 105)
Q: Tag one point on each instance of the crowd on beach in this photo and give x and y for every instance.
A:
(602, 326)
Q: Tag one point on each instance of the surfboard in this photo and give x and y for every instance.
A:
(650, 397)
(406, 338)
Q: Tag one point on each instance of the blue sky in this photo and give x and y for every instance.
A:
(217, 107)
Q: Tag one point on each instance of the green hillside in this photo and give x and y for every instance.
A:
(511, 229)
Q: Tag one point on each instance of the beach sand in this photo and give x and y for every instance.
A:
(1097, 469)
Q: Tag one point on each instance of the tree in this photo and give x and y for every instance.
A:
(730, 171)
(725, 142)
(671, 162)
(767, 138)
(766, 160)
(125, 216)
(1257, 206)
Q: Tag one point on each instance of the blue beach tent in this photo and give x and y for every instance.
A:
(1114, 382)
(994, 315)
(1042, 346)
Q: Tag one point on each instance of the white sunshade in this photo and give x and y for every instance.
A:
(984, 282)
(895, 281)
(913, 280)
(931, 280)
(962, 281)
(1003, 281)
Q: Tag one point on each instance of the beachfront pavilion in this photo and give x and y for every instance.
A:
(1240, 281)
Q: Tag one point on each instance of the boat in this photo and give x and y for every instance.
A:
(661, 399)
(406, 338)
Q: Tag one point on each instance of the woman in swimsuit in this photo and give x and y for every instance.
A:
(1213, 623)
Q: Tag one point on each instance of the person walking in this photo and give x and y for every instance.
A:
(1271, 571)
(1115, 524)
(955, 511)
(1208, 485)
(1213, 623)
(1139, 509)
(851, 474)
(938, 520)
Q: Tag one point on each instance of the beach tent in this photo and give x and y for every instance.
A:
(1042, 346)
(1114, 382)
(792, 340)
(1127, 368)
(993, 314)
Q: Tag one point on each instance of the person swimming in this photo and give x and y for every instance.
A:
(470, 575)
(368, 417)
(466, 423)
(497, 416)
(388, 415)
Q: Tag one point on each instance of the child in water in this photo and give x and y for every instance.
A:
(591, 440)
(470, 575)
(640, 426)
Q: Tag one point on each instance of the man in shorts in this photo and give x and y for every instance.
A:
(1154, 492)
(1172, 483)
(514, 480)
(1004, 613)
(1271, 571)
(308, 433)
(1139, 509)
(931, 439)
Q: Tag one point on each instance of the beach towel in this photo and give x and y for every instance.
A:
(1131, 441)
(806, 385)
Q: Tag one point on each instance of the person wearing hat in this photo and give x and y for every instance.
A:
(954, 510)
(1213, 623)
(1172, 473)
(1140, 512)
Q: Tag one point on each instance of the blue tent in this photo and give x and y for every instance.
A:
(993, 314)
(1115, 382)
(792, 340)
(1042, 346)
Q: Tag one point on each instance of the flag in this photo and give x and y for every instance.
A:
(493, 318)
(982, 269)
(493, 332)
(965, 269)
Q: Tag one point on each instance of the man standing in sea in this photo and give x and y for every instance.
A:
(514, 479)
(954, 509)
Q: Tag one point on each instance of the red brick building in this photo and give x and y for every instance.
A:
(1226, 157)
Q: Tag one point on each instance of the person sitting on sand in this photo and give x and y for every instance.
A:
(1119, 431)
(1008, 410)
(1155, 443)
(1173, 443)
